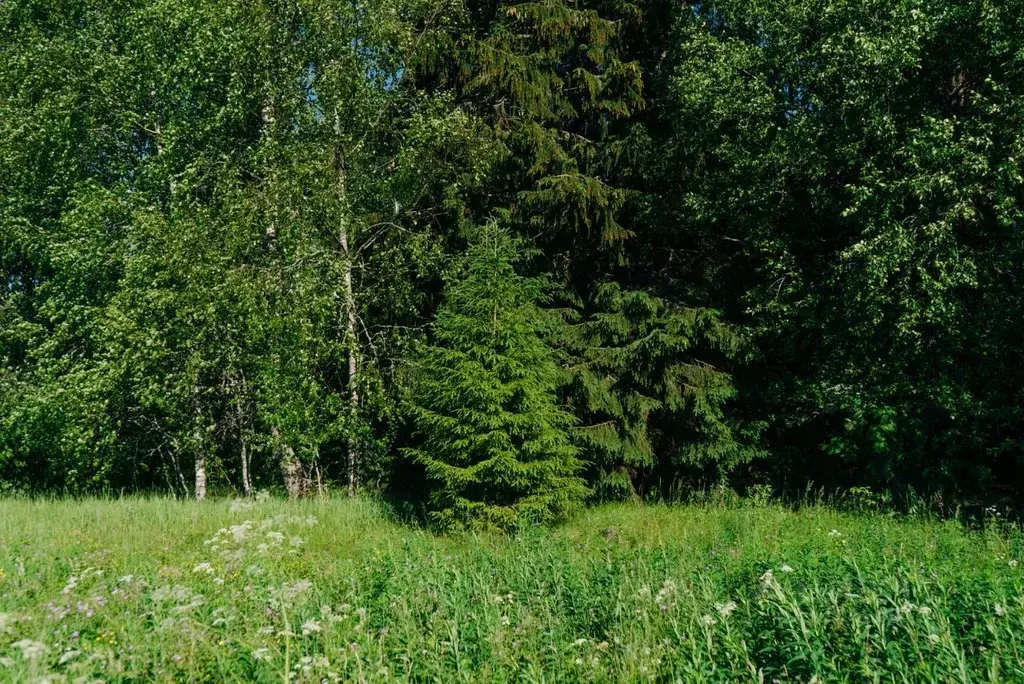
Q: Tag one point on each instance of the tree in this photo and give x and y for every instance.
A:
(495, 441)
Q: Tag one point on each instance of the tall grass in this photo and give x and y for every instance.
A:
(335, 590)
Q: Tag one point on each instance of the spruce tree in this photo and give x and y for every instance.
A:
(494, 438)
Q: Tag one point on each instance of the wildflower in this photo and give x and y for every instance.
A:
(297, 588)
(261, 654)
(275, 537)
(311, 521)
(296, 541)
(1013, 562)
(30, 649)
(707, 620)
(603, 645)
(579, 642)
(505, 620)
(203, 567)
(934, 638)
(725, 609)
(70, 586)
(218, 580)
(69, 655)
(768, 578)
(1000, 611)
(835, 533)
(786, 568)
(269, 629)
(262, 495)
(906, 609)
(310, 626)
(361, 612)
(667, 591)
(6, 662)
(924, 610)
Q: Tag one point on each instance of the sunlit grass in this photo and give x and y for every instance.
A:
(337, 590)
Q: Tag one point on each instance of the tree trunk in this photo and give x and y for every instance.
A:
(353, 357)
(246, 481)
(200, 476)
(291, 469)
(199, 451)
(349, 311)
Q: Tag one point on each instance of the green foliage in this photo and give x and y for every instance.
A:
(645, 398)
(495, 440)
(785, 235)
(841, 175)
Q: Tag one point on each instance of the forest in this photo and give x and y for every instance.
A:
(500, 260)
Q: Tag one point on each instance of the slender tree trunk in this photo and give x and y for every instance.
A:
(349, 311)
(200, 474)
(291, 469)
(353, 356)
(199, 448)
(241, 424)
(246, 481)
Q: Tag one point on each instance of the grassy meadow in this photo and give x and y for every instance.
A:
(337, 590)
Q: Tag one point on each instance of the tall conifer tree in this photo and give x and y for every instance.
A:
(495, 440)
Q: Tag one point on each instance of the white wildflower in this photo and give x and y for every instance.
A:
(126, 579)
(664, 595)
(262, 495)
(6, 662)
(768, 578)
(725, 609)
(1000, 611)
(296, 588)
(30, 649)
(310, 626)
(924, 610)
(70, 586)
(934, 638)
(835, 533)
(505, 620)
(579, 642)
(269, 629)
(68, 656)
(275, 537)
(240, 532)
(1013, 562)
(203, 567)
(311, 521)
(296, 541)
(707, 620)
(261, 654)
(786, 568)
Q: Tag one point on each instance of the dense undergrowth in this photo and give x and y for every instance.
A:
(334, 590)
